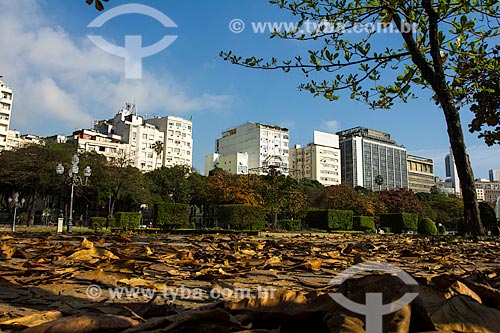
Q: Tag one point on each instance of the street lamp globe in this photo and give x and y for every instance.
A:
(60, 169)
(87, 171)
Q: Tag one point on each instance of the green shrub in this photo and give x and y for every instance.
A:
(427, 227)
(290, 225)
(442, 229)
(399, 222)
(111, 222)
(364, 223)
(329, 219)
(241, 217)
(127, 220)
(98, 222)
(169, 216)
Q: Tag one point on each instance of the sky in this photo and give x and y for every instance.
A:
(62, 81)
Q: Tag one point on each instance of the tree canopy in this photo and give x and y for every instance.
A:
(434, 38)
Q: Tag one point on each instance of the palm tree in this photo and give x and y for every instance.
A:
(379, 180)
(158, 149)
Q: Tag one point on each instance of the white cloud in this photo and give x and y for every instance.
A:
(66, 81)
(331, 126)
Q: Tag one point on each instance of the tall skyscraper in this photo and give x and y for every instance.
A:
(494, 175)
(266, 145)
(370, 159)
(451, 172)
(6, 98)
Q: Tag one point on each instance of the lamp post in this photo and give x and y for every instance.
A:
(74, 180)
(14, 200)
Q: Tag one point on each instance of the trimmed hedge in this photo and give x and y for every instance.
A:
(399, 222)
(241, 217)
(169, 216)
(427, 227)
(98, 222)
(364, 223)
(111, 223)
(329, 219)
(290, 225)
(127, 220)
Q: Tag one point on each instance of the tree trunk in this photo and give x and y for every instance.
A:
(472, 220)
(32, 211)
(433, 73)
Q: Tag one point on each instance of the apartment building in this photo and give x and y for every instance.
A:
(487, 191)
(14, 140)
(267, 146)
(6, 100)
(319, 160)
(172, 134)
(177, 139)
(108, 145)
(233, 163)
(420, 173)
(369, 157)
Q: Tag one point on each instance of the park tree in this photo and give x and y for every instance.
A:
(279, 193)
(478, 84)
(431, 37)
(345, 197)
(158, 149)
(123, 183)
(226, 188)
(401, 201)
(443, 209)
(30, 170)
(172, 183)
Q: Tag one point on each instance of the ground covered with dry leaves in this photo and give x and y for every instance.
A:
(240, 283)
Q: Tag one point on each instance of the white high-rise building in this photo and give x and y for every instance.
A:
(174, 134)
(319, 160)
(109, 145)
(6, 99)
(267, 146)
(371, 159)
(451, 172)
(178, 139)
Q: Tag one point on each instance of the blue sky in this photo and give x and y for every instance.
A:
(62, 81)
